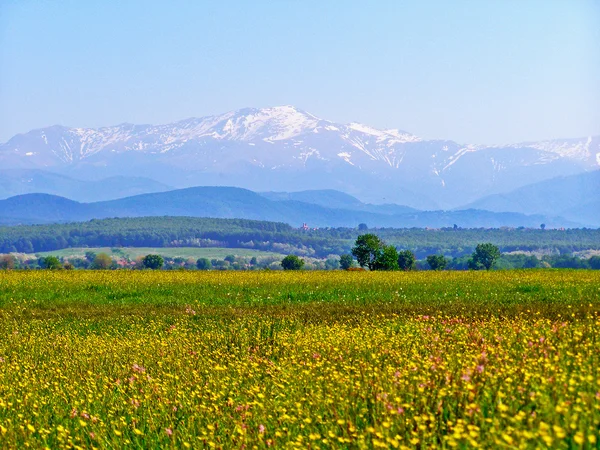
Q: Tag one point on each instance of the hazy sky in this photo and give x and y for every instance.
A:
(479, 71)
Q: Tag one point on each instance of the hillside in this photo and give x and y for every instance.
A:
(228, 202)
(574, 198)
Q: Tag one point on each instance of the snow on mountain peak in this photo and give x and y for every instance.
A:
(394, 136)
(301, 134)
(271, 124)
(582, 149)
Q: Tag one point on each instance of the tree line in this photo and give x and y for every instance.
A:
(454, 242)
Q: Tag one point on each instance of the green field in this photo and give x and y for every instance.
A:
(121, 359)
(170, 252)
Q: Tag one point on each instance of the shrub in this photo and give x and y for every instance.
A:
(153, 262)
(292, 262)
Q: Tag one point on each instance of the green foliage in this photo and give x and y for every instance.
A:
(50, 262)
(386, 259)
(346, 261)
(484, 257)
(156, 232)
(153, 262)
(101, 261)
(594, 262)
(366, 250)
(406, 260)
(437, 262)
(203, 264)
(292, 262)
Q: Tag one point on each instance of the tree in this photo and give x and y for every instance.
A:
(230, 259)
(346, 261)
(366, 250)
(387, 259)
(292, 262)
(332, 264)
(153, 262)
(203, 264)
(543, 226)
(484, 256)
(90, 256)
(406, 260)
(101, 261)
(7, 262)
(50, 262)
(253, 261)
(437, 262)
(362, 227)
(594, 262)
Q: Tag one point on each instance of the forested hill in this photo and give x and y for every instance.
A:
(280, 237)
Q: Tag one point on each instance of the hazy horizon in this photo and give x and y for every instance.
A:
(472, 72)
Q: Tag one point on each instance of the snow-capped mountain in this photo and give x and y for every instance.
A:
(284, 148)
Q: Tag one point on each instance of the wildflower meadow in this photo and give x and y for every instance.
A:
(125, 359)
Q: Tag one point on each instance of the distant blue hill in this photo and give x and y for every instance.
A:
(229, 202)
(575, 197)
(27, 181)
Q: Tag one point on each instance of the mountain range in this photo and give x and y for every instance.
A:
(317, 208)
(287, 149)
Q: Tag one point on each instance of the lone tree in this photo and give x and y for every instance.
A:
(346, 261)
(363, 227)
(484, 256)
(366, 250)
(153, 262)
(292, 262)
(102, 261)
(50, 262)
(406, 260)
(437, 262)
(387, 259)
(203, 264)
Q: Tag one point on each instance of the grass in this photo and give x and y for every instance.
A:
(171, 252)
(321, 359)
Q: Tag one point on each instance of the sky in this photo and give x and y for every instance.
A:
(484, 72)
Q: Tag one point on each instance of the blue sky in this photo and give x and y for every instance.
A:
(480, 71)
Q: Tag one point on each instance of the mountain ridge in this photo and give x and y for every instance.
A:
(287, 149)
